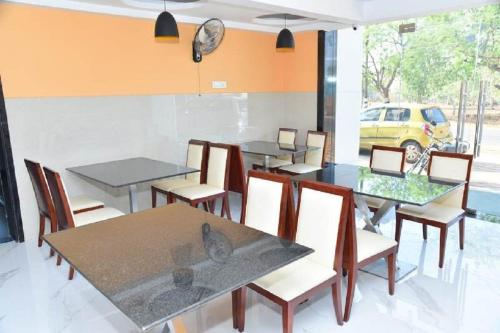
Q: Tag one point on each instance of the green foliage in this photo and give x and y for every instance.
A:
(445, 49)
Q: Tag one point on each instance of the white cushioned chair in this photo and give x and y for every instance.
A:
(314, 159)
(268, 206)
(320, 224)
(196, 159)
(46, 208)
(367, 247)
(216, 184)
(388, 159)
(65, 216)
(286, 136)
(448, 209)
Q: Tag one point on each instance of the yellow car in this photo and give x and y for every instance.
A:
(410, 126)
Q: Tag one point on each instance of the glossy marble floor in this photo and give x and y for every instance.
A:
(464, 296)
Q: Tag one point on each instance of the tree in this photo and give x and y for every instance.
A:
(383, 47)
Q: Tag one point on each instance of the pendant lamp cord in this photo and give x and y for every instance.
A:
(164, 5)
(285, 21)
(199, 81)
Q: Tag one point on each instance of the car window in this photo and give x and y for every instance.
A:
(371, 115)
(397, 114)
(434, 114)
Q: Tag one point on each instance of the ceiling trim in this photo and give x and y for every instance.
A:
(149, 14)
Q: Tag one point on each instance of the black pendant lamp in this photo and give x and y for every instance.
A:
(166, 27)
(285, 41)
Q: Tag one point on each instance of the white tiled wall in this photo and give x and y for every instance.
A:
(65, 132)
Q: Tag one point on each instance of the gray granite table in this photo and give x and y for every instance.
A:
(158, 263)
(392, 188)
(272, 149)
(130, 172)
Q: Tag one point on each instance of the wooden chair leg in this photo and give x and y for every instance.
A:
(399, 226)
(71, 273)
(442, 244)
(193, 204)
(211, 205)
(223, 207)
(59, 259)
(239, 304)
(351, 286)
(153, 197)
(228, 210)
(170, 198)
(287, 317)
(41, 229)
(461, 226)
(391, 271)
(205, 206)
(424, 231)
(337, 301)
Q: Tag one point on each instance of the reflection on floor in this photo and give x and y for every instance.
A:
(464, 296)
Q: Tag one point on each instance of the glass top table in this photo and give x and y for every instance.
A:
(130, 172)
(272, 149)
(158, 263)
(397, 187)
(392, 188)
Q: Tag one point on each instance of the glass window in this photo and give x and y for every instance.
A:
(434, 114)
(397, 114)
(371, 115)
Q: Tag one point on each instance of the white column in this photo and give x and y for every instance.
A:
(349, 94)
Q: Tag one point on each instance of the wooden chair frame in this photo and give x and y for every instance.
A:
(351, 264)
(443, 227)
(203, 171)
(401, 169)
(61, 205)
(288, 307)
(394, 149)
(239, 296)
(44, 200)
(323, 164)
(209, 202)
(281, 129)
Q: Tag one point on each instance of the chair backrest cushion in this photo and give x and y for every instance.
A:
(263, 205)
(315, 157)
(454, 167)
(42, 194)
(195, 161)
(318, 224)
(386, 159)
(217, 166)
(60, 199)
(287, 136)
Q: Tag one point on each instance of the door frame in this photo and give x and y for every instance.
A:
(8, 176)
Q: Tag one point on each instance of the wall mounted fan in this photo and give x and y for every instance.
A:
(208, 37)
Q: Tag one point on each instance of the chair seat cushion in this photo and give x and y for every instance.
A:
(96, 215)
(274, 163)
(171, 184)
(433, 211)
(295, 279)
(370, 244)
(197, 191)
(372, 202)
(300, 168)
(83, 202)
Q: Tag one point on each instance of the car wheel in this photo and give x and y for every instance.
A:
(413, 151)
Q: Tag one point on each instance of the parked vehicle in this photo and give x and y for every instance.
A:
(405, 125)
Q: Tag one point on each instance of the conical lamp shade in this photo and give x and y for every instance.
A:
(285, 41)
(166, 28)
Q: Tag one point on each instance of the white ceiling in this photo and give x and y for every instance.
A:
(326, 14)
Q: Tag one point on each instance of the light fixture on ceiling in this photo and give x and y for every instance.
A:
(285, 41)
(166, 26)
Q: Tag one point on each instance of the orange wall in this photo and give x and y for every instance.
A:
(52, 52)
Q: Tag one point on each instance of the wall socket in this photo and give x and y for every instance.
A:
(219, 84)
